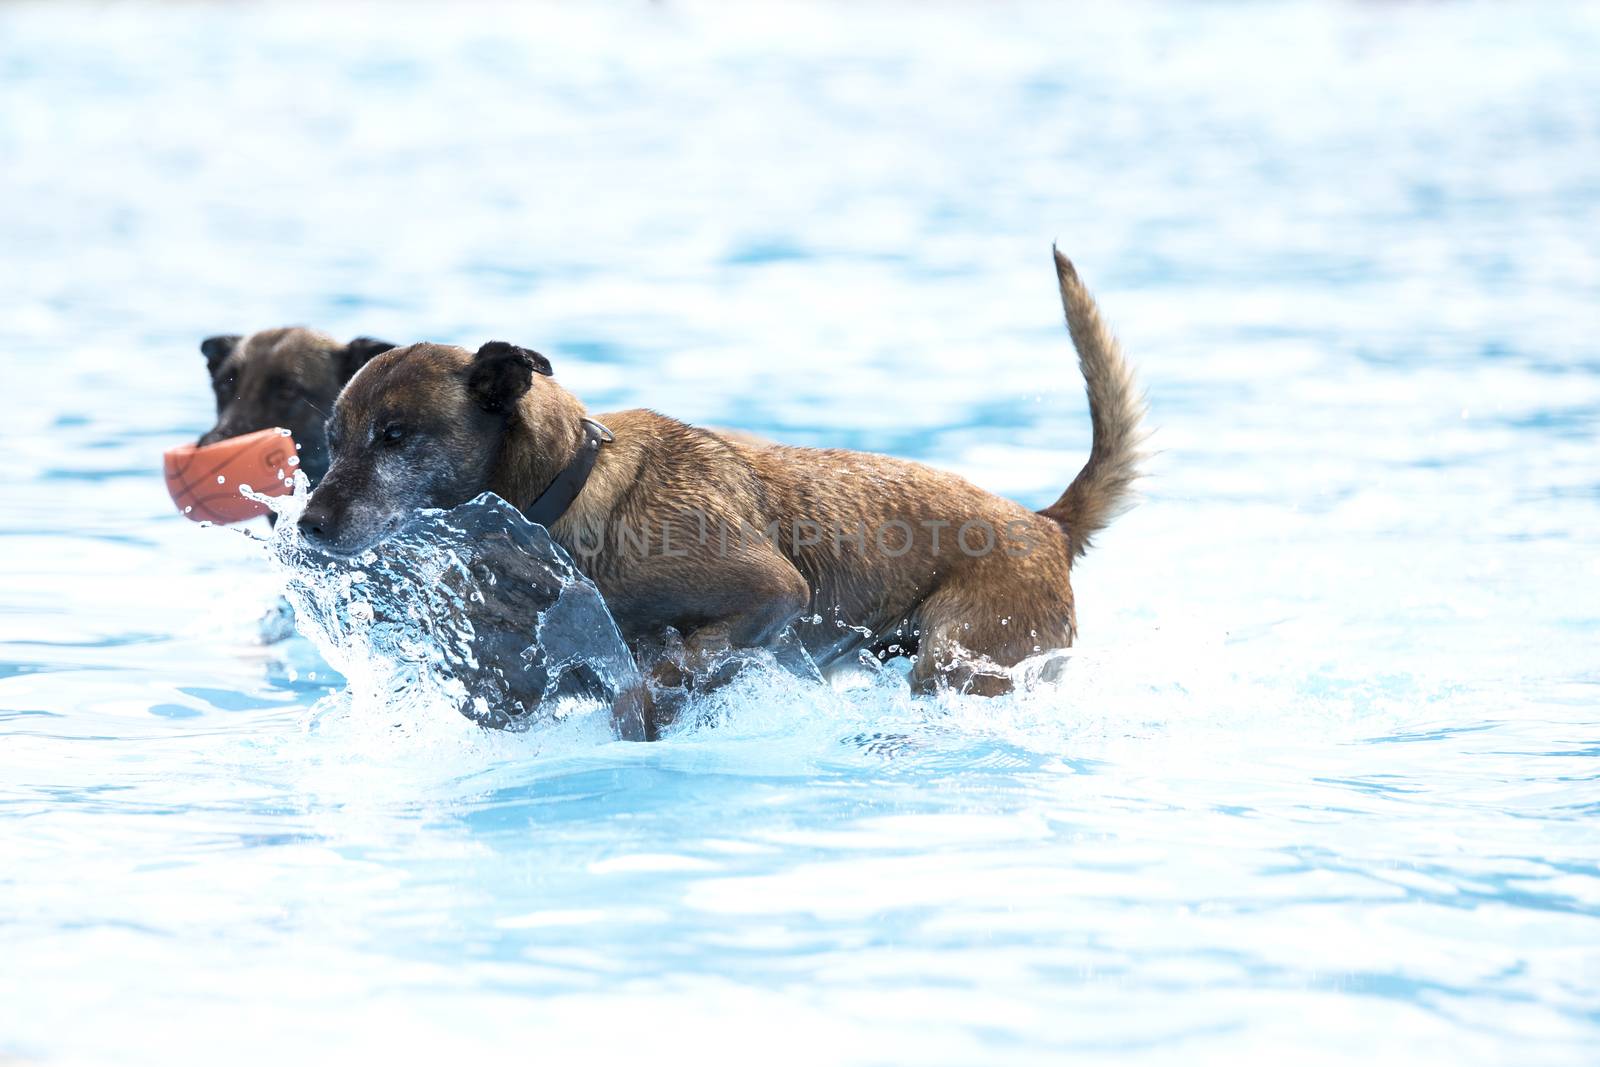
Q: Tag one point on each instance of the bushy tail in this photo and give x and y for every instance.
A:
(1103, 489)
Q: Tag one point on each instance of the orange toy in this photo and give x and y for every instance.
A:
(204, 480)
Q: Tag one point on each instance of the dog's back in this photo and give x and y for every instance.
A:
(875, 536)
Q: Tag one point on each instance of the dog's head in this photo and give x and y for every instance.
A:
(428, 426)
(286, 377)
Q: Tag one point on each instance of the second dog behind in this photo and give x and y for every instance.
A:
(283, 378)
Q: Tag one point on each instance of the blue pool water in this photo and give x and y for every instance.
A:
(1322, 782)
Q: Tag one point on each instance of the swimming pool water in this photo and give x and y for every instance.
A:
(1321, 782)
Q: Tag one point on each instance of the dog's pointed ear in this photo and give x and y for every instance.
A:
(218, 348)
(355, 355)
(501, 373)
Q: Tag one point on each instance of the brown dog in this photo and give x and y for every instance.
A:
(732, 542)
(286, 378)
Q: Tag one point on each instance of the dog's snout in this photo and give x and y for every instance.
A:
(316, 525)
(228, 426)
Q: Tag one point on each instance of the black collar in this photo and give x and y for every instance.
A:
(565, 487)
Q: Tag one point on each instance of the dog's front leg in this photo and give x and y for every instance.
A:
(756, 601)
(747, 607)
(741, 601)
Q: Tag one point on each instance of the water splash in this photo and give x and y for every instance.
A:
(474, 609)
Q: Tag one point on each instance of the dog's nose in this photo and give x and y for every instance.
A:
(316, 526)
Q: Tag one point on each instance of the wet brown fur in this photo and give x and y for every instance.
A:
(968, 616)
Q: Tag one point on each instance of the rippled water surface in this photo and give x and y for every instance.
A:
(1320, 784)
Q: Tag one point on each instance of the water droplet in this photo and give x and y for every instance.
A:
(222, 480)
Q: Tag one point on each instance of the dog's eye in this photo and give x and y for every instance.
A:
(393, 434)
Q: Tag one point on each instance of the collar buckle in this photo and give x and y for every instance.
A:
(569, 481)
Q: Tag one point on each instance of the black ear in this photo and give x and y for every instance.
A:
(218, 348)
(502, 373)
(353, 356)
